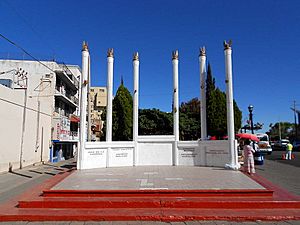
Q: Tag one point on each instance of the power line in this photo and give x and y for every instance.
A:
(33, 30)
(27, 53)
(23, 18)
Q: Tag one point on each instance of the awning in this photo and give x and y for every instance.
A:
(74, 119)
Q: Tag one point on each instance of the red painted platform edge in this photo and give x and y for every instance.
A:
(279, 193)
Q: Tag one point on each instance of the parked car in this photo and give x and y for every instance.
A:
(296, 146)
(281, 144)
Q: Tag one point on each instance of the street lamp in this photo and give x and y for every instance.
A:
(250, 108)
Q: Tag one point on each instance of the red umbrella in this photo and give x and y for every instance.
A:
(247, 136)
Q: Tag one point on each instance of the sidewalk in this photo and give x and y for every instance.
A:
(18, 181)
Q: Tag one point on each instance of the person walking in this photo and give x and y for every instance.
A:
(248, 157)
(289, 148)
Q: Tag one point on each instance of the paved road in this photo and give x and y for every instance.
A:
(283, 173)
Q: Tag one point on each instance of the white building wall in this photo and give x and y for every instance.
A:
(11, 130)
(37, 135)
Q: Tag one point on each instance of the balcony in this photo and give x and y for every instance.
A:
(68, 79)
(61, 94)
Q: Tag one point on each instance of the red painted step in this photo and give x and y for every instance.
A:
(156, 214)
(165, 202)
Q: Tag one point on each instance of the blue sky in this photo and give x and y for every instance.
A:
(265, 34)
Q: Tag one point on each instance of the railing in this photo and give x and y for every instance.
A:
(72, 98)
(68, 72)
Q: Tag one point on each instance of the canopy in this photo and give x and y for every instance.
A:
(252, 137)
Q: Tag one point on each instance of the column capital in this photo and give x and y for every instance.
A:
(175, 55)
(85, 46)
(135, 56)
(202, 51)
(110, 52)
(227, 45)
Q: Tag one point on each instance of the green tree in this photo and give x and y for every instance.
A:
(216, 109)
(155, 122)
(189, 122)
(122, 114)
(286, 131)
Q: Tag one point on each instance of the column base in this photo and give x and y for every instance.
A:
(232, 166)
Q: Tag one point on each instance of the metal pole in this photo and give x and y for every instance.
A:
(295, 119)
(23, 125)
(250, 109)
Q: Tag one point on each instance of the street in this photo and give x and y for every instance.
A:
(283, 173)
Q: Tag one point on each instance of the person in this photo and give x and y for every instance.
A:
(248, 157)
(289, 148)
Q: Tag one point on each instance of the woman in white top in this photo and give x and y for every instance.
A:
(248, 157)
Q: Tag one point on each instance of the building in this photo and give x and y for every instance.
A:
(39, 110)
(98, 102)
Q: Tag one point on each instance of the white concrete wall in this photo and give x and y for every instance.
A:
(203, 153)
(105, 154)
(155, 150)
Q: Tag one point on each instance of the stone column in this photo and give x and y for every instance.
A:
(136, 64)
(83, 103)
(233, 164)
(202, 61)
(175, 57)
(110, 72)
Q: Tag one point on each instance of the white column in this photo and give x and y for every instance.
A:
(83, 103)
(110, 68)
(233, 164)
(136, 64)
(175, 105)
(110, 74)
(202, 61)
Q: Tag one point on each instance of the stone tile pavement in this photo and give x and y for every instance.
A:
(157, 177)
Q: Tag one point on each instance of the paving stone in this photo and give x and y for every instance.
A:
(207, 223)
(77, 223)
(222, 222)
(134, 222)
(293, 222)
(92, 223)
(106, 223)
(154, 223)
(192, 223)
(14, 223)
(56, 223)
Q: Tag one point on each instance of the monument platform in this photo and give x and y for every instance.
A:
(161, 193)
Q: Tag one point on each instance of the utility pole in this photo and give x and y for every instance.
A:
(279, 129)
(295, 119)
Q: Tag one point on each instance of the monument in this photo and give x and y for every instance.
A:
(157, 149)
